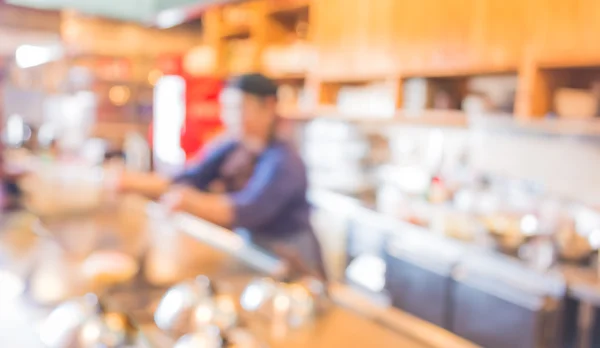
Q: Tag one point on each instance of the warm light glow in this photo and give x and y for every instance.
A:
(91, 332)
(119, 95)
(154, 76)
(203, 314)
(200, 60)
(281, 303)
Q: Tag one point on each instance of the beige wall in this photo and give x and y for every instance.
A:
(568, 166)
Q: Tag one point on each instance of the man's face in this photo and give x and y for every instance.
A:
(245, 114)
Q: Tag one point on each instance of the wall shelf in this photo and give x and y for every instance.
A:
(288, 7)
(235, 32)
(287, 77)
(429, 118)
(555, 126)
(456, 119)
(550, 79)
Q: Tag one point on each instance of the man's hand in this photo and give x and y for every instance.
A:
(176, 199)
(216, 208)
(150, 185)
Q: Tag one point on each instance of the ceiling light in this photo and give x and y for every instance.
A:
(28, 56)
(154, 76)
(170, 18)
(119, 95)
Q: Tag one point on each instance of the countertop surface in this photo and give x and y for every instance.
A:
(583, 282)
(48, 264)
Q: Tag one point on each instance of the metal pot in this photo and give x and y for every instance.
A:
(84, 323)
(192, 306)
(292, 303)
(212, 337)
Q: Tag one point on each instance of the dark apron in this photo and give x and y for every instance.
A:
(301, 251)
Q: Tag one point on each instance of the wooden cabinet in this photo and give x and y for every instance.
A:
(353, 38)
(362, 37)
(366, 40)
(565, 32)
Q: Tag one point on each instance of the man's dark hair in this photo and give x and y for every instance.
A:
(254, 84)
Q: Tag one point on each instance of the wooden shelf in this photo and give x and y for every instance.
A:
(458, 119)
(571, 63)
(289, 7)
(235, 32)
(542, 126)
(434, 118)
(357, 79)
(460, 72)
(282, 77)
(428, 118)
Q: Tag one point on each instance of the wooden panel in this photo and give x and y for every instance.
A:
(85, 35)
(24, 18)
(566, 32)
(353, 38)
(503, 33)
(365, 37)
(461, 36)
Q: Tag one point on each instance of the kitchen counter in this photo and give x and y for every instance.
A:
(169, 250)
(576, 288)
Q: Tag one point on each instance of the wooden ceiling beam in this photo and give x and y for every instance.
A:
(15, 17)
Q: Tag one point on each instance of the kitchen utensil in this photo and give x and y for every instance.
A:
(212, 337)
(83, 322)
(176, 309)
(575, 103)
(193, 305)
(209, 337)
(293, 303)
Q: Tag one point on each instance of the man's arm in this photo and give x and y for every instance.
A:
(272, 185)
(198, 175)
(148, 184)
(201, 174)
(216, 208)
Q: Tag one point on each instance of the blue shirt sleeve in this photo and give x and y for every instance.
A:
(201, 174)
(275, 181)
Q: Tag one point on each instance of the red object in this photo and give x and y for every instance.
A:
(170, 64)
(202, 119)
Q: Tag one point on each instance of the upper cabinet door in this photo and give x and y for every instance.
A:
(353, 38)
(565, 32)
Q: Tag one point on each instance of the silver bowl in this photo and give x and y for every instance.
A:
(83, 323)
(193, 305)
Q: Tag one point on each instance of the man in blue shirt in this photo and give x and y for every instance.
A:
(252, 181)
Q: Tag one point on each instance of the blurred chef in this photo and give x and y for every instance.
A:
(250, 180)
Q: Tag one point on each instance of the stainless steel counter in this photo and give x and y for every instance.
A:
(170, 250)
(581, 284)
